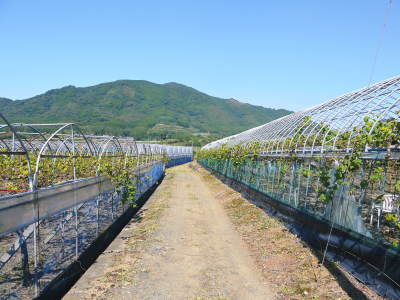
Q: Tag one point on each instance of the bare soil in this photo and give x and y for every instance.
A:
(196, 238)
(291, 268)
(181, 246)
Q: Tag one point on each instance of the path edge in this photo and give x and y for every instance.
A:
(60, 285)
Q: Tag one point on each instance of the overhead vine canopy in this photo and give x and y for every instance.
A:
(329, 126)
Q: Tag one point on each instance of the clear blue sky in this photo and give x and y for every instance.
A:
(284, 54)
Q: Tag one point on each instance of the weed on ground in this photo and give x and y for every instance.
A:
(284, 260)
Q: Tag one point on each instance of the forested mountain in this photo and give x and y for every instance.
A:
(141, 109)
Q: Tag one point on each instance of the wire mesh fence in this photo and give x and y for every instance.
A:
(35, 254)
(337, 163)
(59, 190)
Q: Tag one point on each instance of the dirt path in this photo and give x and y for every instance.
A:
(183, 247)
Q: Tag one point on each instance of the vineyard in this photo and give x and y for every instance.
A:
(331, 172)
(334, 169)
(66, 188)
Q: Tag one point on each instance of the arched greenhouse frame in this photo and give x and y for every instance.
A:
(335, 168)
(60, 190)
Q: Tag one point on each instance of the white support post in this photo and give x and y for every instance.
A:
(98, 198)
(35, 258)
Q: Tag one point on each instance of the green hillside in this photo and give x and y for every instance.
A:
(141, 109)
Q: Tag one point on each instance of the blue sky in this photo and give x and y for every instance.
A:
(283, 54)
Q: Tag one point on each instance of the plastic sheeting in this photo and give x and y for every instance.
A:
(178, 160)
(339, 222)
(49, 229)
(33, 206)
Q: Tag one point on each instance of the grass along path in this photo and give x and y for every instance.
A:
(289, 266)
(181, 246)
(196, 238)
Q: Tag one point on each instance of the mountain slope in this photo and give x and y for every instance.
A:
(133, 107)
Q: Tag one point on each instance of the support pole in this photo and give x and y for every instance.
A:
(112, 207)
(62, 234)
(35, 258)
(98, 198)
(76, 232)
(26, 275)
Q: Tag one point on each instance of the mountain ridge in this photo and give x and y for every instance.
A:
(135, 107)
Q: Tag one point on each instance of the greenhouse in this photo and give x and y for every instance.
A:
(67, 188)
(335, 169)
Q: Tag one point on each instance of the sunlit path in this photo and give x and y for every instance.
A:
(191, 250)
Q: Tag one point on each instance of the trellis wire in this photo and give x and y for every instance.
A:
(307, 140)
(46, 228)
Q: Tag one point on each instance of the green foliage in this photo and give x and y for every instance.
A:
(306, 172)
(377, 174)
(397, 186)
(121, 170)
(143, 109)
(129, 195)
(375, 132)
(328, 186)
(350, 166)
(392, 218)
(237, 154)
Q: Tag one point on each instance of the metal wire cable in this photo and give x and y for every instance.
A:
(380, 42)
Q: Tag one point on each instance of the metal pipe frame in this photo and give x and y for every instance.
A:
(338, 115)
